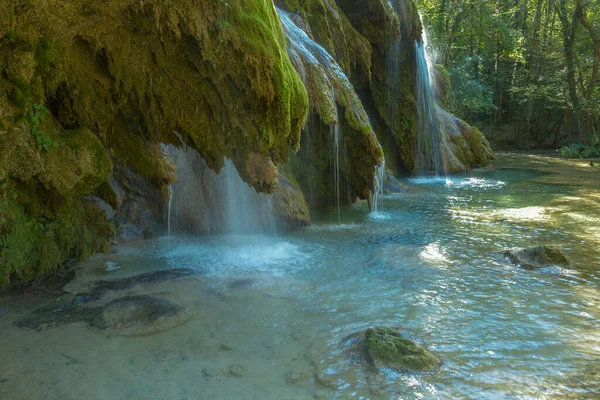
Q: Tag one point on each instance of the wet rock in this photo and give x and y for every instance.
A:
(293, 377)
(131, 315)
(63, 310)
(388, 348)
(169, 275)
(141, 205)
(237, 370)
(289, 206)
(391, 184)
(140, 315)
(369, 355)
(537, 257)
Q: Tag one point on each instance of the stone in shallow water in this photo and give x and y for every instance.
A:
(131, 315)
(387, 348)
(100, 287)
(61, 311)
(352, 360)
(537, 257)
(140, 315)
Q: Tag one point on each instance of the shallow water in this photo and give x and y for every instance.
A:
(281, 306)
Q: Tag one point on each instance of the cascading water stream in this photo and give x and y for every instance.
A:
(429, 137)
(204, 202)
(247, 212)
(377, 201)
(335, 145)
(315, 64)
(169, 212)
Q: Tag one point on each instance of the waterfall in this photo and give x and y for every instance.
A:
(317, 67)
(203, 202)
(335, 139)
(429, 135)
(377, 201)
(169, 211)
(246, 211)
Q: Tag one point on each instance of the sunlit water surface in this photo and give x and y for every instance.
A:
(427, 263)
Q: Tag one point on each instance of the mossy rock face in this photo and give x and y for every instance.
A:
(335, 107)
(465, 146)
(441, 82)
(289, 206)
(537, 257)
(388, 348)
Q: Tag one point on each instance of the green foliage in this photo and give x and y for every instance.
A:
(40, 230)
(468, 95)
(510, 62)
(579, 150)
(35, 117)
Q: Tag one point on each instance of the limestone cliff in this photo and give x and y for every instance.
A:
(91, 92)
(88, 84)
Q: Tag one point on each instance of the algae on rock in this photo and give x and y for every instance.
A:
(390, 349)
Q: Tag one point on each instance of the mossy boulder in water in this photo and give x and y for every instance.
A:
(387, 348)
(537, 257)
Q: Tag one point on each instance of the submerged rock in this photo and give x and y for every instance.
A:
(169, 275)
(140, 315)
(391, 184)
(63, 310)
(130, 315)
(388, 348)
(537, 257)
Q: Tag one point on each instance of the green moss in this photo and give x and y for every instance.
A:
(388, 348)
(19, 98)
(44, 56)
(40, 230)
(442, 83)
(330, 27)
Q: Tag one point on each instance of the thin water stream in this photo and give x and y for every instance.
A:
(269, 313)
